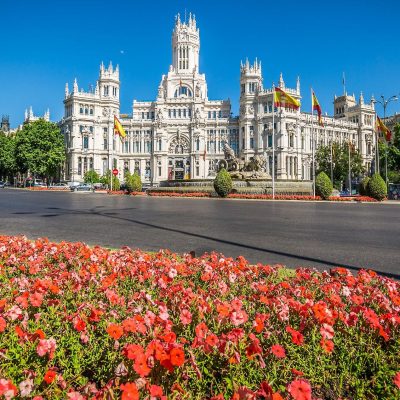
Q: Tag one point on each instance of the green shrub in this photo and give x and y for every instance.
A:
(91, 176)
(363, 186)
(133, 182)
(323, 186)
(377, 187)
(106, 180)
(223, 183)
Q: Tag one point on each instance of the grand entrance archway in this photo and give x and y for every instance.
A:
(178, 168)
(178, 158)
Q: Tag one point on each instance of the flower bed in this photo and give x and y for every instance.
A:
(114, 192)
(79, 323)
(177, 194)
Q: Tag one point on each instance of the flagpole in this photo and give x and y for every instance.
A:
(112, 157)
(349, 170)
(313, 144)
(273, 141)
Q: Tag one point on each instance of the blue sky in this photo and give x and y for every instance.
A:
(45, 43)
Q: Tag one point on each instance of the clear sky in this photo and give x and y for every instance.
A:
(45, 43)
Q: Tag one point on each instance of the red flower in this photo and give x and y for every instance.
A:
(3, 324)
(141, 366)
(156, 391)
(327, 345)
(300, 389)
(177, 357)
(297, 337)
(129, 391)
(49, 376)
(201, 330)
(212, 340)
(115, 331)
(79, 324)
(278, 351)
(396, 379)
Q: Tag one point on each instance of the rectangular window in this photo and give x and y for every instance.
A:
(105, 144)
(85, 142)
(252, 143)
(269, 140)
(214, 114)
(197, 171)
(251, 129)
(169, 113)
(219, 114)
(159, 171)
(190, 112)
(209, 115)
(142, 115)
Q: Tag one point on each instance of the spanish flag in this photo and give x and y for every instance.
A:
(382, 128)
(283, 99)
(316, 107)
(118, 129)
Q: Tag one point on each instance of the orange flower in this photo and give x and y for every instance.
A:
(115, 331)
(129, 391)
(177, 357)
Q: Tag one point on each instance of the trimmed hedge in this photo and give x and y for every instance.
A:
(377, 187)
(223, 183)
(323, 186)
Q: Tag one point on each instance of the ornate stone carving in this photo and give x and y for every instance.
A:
(179, 144)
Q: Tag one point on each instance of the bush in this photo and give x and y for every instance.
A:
(323, 186)
(223, 183)
(377, 187)
(106, 180)
(133, 182)
(91, 176)
(363, 186)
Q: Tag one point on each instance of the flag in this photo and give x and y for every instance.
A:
(316, 107)
(382, 128)
(118, 129)
(283, 99)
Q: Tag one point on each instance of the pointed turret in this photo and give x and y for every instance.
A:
(75, 86)
(361, 102)
(30, 112)
(281, 81)
(298, 85)
(66, 90)
(26, 114)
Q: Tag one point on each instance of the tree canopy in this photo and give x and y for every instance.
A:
(340, 158)
(7, 155)
(39, 148)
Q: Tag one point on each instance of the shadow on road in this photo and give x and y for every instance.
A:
(218, 240)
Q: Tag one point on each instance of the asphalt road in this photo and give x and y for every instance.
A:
(290, 233)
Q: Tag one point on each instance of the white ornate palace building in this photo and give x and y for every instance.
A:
(181, 134)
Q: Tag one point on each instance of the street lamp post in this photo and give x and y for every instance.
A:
(384, 103)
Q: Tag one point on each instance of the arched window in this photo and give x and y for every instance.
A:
(183, 91)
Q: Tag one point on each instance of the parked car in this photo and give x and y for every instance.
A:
(59, 186)
(82, 187)
(2, 185)
(38, 183)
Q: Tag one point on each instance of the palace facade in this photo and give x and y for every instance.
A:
(180, 135)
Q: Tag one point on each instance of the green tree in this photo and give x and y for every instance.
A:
(340, 157)
(91, 176)
(40, 148)
(7, 156)
(393, 154)
(223, 183)
(106, 180)
(133, 182)
(323, 186)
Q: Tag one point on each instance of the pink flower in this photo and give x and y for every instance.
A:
(75, 396)
(7, 389)
(238, 317)
(278, 351)
(25, 387)
(46, 346)
(172, 273)
(14, 312)
(327, 331)
(186, 317)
